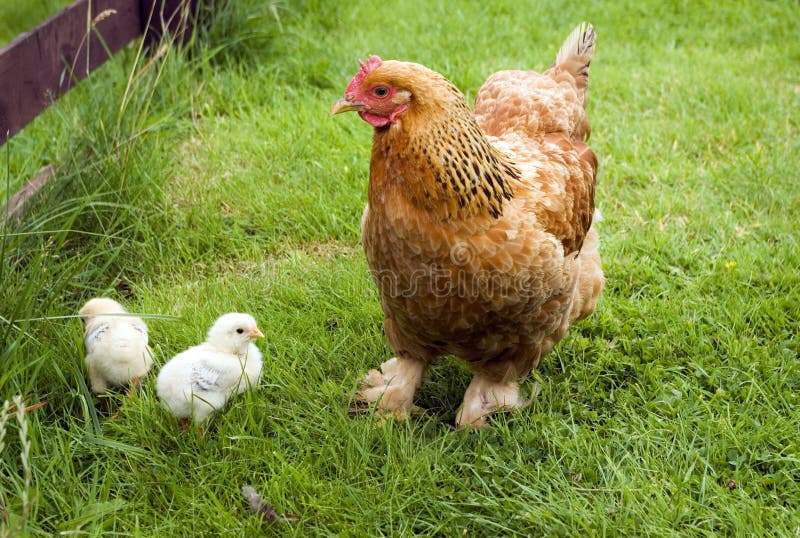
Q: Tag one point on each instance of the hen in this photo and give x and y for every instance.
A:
(478, 228)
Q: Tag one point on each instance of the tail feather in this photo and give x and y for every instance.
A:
(576, 55)
(579, 43)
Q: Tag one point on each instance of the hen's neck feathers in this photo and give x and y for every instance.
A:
(438, 158)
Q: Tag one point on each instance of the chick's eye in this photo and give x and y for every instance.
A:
(381, 91)
(240, 330)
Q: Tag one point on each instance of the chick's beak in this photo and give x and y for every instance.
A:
(255, 333)
(345, 105)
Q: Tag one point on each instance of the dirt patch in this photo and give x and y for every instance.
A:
(321, 253)
(197, 176)
(330, 249)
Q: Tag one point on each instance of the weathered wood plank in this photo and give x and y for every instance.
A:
(15, 208)
(43, 64)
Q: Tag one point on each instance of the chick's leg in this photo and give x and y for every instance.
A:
(484, 397)
(134, 384)
(97, 381)
(393, 387)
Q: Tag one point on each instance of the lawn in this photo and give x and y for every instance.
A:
(213, 180)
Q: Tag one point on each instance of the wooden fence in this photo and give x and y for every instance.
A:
(41, 65)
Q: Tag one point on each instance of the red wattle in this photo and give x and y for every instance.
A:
(374, 119)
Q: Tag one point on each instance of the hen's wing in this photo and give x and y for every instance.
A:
(540, 120)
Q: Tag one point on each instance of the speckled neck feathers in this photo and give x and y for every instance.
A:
(438, 158)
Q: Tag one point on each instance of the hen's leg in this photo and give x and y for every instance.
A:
(590, 278)
(484, 397)
(394, 386)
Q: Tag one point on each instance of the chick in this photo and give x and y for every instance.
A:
(116, 345)
(198, 381)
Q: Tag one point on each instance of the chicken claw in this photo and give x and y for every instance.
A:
(484, 397)
(393, 387)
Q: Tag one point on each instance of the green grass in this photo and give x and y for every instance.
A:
(18, 16)
(215, 181)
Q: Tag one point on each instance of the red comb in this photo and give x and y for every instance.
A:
(373, 62)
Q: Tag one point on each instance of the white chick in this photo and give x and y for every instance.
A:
(116, 345)
(200, 380)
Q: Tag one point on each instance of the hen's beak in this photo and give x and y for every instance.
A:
(343, 105)
(255, 333)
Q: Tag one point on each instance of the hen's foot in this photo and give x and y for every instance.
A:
(393, 387)
(485, 397)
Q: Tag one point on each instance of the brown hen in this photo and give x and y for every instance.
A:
(478, 230)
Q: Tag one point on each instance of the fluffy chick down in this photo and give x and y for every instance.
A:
(200, 380)
(117, 353)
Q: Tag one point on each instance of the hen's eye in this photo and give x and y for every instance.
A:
(381, 91)
(240, 331)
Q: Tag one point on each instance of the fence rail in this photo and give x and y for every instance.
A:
(41, 65)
